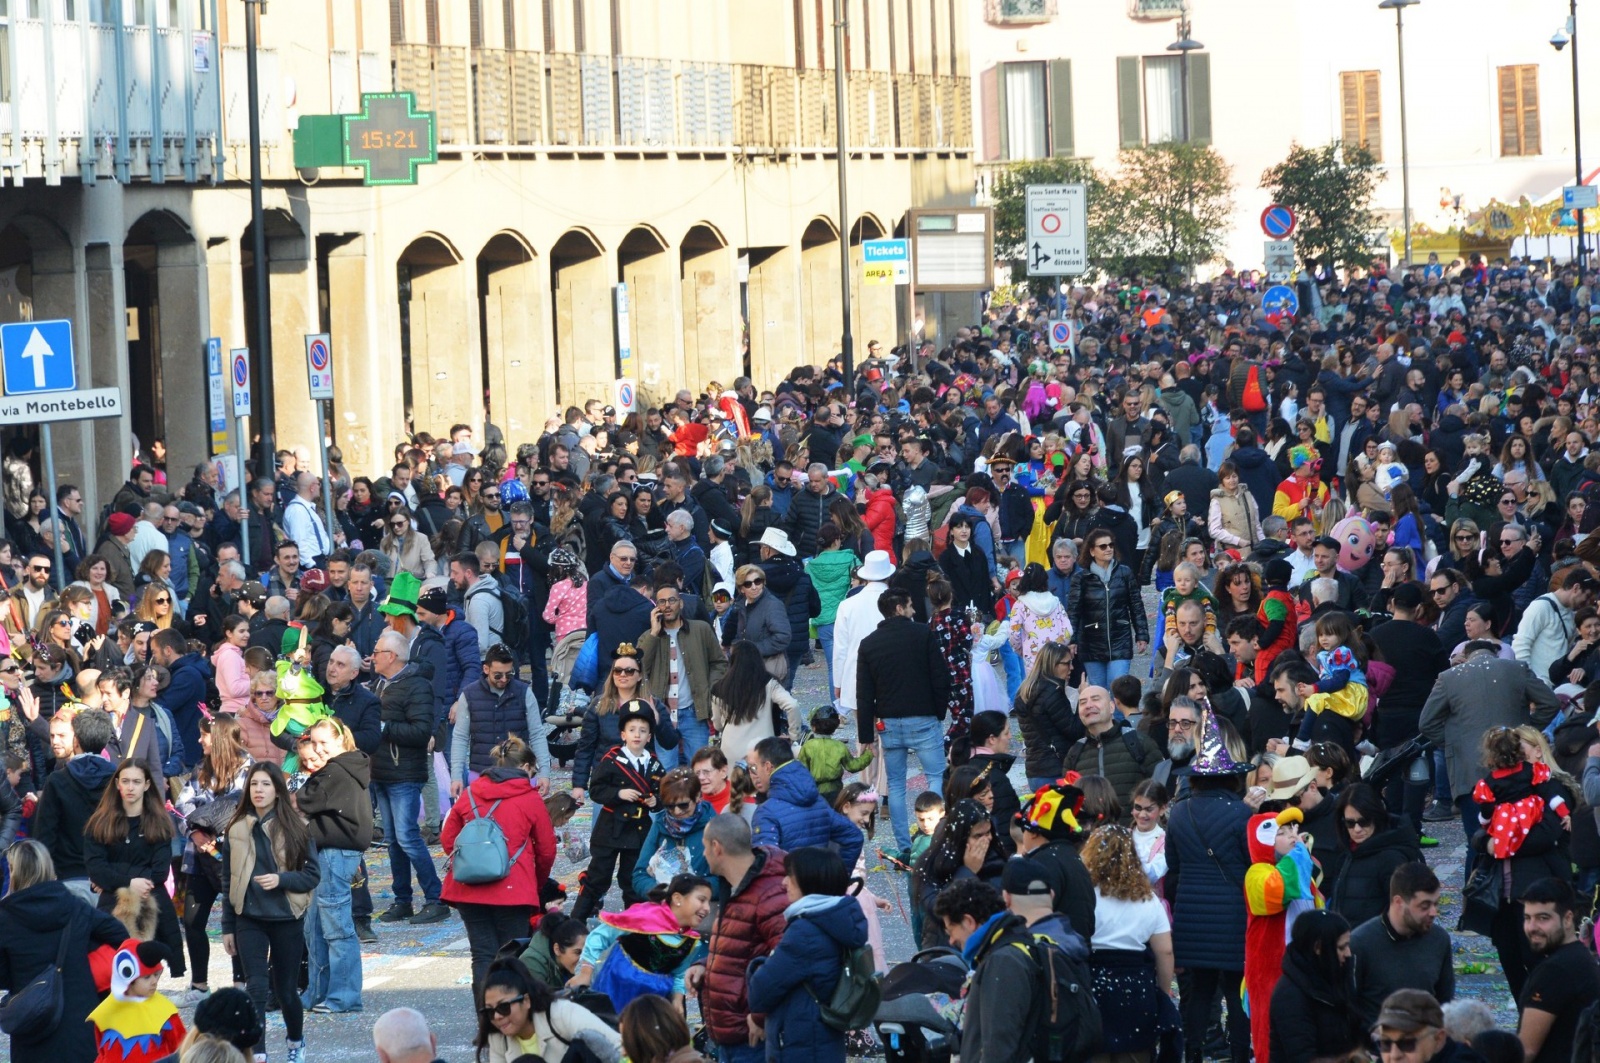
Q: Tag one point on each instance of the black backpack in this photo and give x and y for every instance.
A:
(513, 629)
(1064, 1022)
(857, 995)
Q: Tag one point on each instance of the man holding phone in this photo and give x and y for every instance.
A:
(682, 658)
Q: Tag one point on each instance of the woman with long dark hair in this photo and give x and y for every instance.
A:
(964, 846)
(1072, 510)
(1314, 1013)
(207, 803)
(555, 948)
(1138, 497)
(127, 850)
(1374, 846)
(269, 873)
(654, 1031)
(745, 700)
(328, 633)
(520, 1012)
(1106, 611)
(1407, 525)
(966, 569)
(853, 530)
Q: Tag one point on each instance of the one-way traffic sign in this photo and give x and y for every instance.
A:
(38, 357)
(1058, 237)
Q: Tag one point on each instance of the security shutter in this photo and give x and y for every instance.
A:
(1200, 98)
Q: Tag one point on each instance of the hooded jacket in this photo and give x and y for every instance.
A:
(795, 815)
(1000, 993)
(829, 573)
(31, 924)
(1312, 1018)
(1361, 890)
(1037, 618)
(1259, 474)
(184, 696)
(789, 582)
(65, 805)
(623, 615)
(880, 519)
(802, 970)
(751, 924)
(254, 847)
(335, 804)
(530, 839)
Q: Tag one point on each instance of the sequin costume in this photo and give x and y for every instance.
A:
(953, 635)
(1276, 890)
(1511, 806)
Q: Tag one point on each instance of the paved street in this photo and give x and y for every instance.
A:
(427, 967)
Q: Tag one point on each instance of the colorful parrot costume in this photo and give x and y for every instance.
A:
(1277, 888)
(131, 1029)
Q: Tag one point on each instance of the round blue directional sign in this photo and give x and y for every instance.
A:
(1280, 299)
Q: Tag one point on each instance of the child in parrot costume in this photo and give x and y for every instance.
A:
(1277, 888)
(299, 693)
(135, 1023)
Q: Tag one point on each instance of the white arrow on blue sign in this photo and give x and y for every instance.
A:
(1280, 299)
(37, 357)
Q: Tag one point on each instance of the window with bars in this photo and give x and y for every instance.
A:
(1361, 110)
(1519, 110)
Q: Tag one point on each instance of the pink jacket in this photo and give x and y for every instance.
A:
(566, 607)
(1037, 618)
(233, 682)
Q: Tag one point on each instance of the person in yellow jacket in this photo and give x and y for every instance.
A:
(1303, 493)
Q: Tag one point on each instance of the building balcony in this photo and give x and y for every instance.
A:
(1018, 12)
(1156, 10)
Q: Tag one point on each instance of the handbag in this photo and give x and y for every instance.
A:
(33, 1012)
(586, 667)
(1481, 896)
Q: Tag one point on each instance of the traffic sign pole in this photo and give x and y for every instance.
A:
(50, 497)
(239, 382)
(319, 365)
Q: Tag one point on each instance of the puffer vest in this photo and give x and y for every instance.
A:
(493, 717)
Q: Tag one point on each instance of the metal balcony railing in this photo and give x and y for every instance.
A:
(1156, 9)
(1018, 12)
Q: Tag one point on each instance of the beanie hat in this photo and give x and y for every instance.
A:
(228, 1014)
(1277, 572)
(119, 524)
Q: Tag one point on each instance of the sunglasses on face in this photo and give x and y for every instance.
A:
(39, 568)
(163, 601)
(1404, 1044)
(1362, 822)
(63, 622)
(681, 806)
(752, 583)
(1467, 538)
(1439, 592)
(624, 670)
(398, 525)
(501, 1010)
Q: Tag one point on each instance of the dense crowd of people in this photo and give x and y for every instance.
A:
(1355, 546)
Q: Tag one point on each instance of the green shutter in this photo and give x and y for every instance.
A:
(1061, 142)
(1130, 114)
(1004, 131)
(1200, 98)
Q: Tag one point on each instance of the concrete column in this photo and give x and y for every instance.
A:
(774, 341)
(180, 284)
(108, 368)
(292, 279)
(819, 298)
(710, 336)
(521, 373)
(56, 295)
(367, 398)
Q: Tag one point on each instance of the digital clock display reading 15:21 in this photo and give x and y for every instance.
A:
(371, 139)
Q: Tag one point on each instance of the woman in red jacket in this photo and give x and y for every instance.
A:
(880, 514)
(498, 911)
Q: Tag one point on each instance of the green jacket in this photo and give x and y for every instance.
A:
(541, 963)
(827, 759)
(830, 575)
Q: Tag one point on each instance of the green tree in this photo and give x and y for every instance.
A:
(1172, 203)
(1330, 190)
(1010, 198)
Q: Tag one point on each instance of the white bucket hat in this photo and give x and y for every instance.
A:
(778, 539)
(876, 567)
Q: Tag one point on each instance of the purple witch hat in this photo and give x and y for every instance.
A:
(1213, 758)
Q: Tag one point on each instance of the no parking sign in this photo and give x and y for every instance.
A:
(627, 396)
(1060, 334)
(319, 360)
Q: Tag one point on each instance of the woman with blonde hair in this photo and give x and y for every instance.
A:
(1131, 951)
(256, 719)
(205, 1048)
(1047, 717)
(406, 548)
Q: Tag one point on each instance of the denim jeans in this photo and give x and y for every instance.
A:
(1101, 673)
(667, 757)
(742, 1053)
(331, 945)
(696, 734)
(398, 803)
(921, 735)
(825, 636)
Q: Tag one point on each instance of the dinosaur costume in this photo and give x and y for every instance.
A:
(1277, 888)
(299, 693)
(131, 1029)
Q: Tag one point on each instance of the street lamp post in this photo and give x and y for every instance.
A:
(1568, 34)
(846, 340)
(263, 352)
(1183, 46)
(1399, 6)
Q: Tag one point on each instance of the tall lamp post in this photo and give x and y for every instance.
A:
(263, 353)
(1568, 34)
(846, 340)
(1183, 46)
(1399, 7)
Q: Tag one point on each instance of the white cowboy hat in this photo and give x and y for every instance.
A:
(778, 539)
(877, 567)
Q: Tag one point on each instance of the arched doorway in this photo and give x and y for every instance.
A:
(164, 288)
(643, 263)
(872, 306)
(711, 343)
(440, 387)
(580, 284)
(819, 291)
(517, 376)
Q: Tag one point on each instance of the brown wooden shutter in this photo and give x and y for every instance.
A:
(1130, 111)
(397, 21)
(1371, 113)
(1350, 107)
(1061, 138)
(1530, 109)
(991, 89)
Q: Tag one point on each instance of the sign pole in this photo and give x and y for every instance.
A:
(244, 491)
(50, 498)
(327, 473)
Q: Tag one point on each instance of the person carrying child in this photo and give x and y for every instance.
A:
(1341, 686)
(624, 784)
(1186, 587)
(1514, 798)
(135, 1023)
(826, 757)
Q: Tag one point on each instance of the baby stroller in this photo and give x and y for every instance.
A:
(915, 1021)
(1405, 757)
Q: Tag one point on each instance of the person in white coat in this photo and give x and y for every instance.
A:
(1546, 630)
(857, 618)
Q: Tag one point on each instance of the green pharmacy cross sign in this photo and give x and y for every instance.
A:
(389, 138)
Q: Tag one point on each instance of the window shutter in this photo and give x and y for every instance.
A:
(397, 21)
(475, 23)
(1061, 142)
(1508, 106)
(990, 85)
(1200, 98)
(1350, 108)
(1130, 114)
(508, 23)
(1529, 106)
(1371, 114)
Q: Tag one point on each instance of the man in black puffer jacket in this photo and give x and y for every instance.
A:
(400, 771)
(809, 508)
(789, 582)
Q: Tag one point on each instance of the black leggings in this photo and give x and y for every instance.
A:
(488, 927)
(603, 860)
(203, 894)
(286, 939)
(1198, 989)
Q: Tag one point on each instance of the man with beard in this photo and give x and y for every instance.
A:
(1403, 948)
(1183, 730)
(1566, 980)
